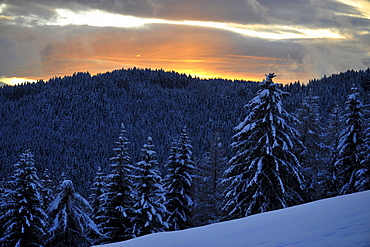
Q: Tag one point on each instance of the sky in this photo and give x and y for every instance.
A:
(340, 221)
(233, 39)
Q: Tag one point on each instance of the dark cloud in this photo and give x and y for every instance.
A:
(236, 11)
(28, 13)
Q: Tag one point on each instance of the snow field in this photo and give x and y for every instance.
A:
(340, 221)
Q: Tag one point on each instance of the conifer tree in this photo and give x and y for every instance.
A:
(264, 174)
(363, 175)
(24, 221)
(208, 186)
(70, 217)
(350, 148)
(62, 178)
(95, 199)
(149, 207)
(179, 184)
(312, 158)
(4, 191)
(47, 191)
(327, 184)
(118, 200)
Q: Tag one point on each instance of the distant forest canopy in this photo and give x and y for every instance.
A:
(70, 124)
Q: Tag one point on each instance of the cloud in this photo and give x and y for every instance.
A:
(182, 48)
(234, 39)
(325, 58)
(201, 51)
(19, 50)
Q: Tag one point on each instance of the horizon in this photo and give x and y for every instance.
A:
(240, 40)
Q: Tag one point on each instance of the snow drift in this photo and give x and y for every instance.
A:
(339, 221)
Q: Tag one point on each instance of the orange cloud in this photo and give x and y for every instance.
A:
(199, 52)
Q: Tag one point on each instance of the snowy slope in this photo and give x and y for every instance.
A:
(340, 221)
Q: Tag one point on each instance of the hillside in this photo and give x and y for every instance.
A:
(71, 127)
(71, 123)
(339, 221)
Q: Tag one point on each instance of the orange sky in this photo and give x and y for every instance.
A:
(182, 49)
(100, 52)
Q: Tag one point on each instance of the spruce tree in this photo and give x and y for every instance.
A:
(208, 186)
(118, 200)
(149, 207)
(47, 191)
(70, 217)
(363, 175)
(179, 184)
(24, 220)
(264, 174)
(312, 158)
(350, 151)
(327, 184)
(4, 191)
(95, 199)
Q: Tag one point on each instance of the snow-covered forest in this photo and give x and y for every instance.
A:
(99, 159)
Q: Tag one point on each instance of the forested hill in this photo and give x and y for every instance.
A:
(70, 124)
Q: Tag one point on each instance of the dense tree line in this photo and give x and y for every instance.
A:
(70, 122)
(292, 144)
(132, 200)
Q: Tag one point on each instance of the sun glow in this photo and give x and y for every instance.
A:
(97, 18)
(16, 80)
(362, 6)
(100, 18)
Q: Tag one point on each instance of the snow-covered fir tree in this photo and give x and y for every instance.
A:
(264, 174)
(363, 174)
(208, 186)
(70, 217)
(62, 178)
(95, 198)
(362, 177)
(47, 191)
(24, 220)
(118, 199)
(312, 157)
(149, 207)
(3, 204)
(179, 184)
(327, 179)
(350, 149)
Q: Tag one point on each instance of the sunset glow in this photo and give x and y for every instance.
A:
(233, 39)
(16, 80)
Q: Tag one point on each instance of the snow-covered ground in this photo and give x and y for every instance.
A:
(340, 221)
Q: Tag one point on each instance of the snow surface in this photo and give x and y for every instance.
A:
(339, 221)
